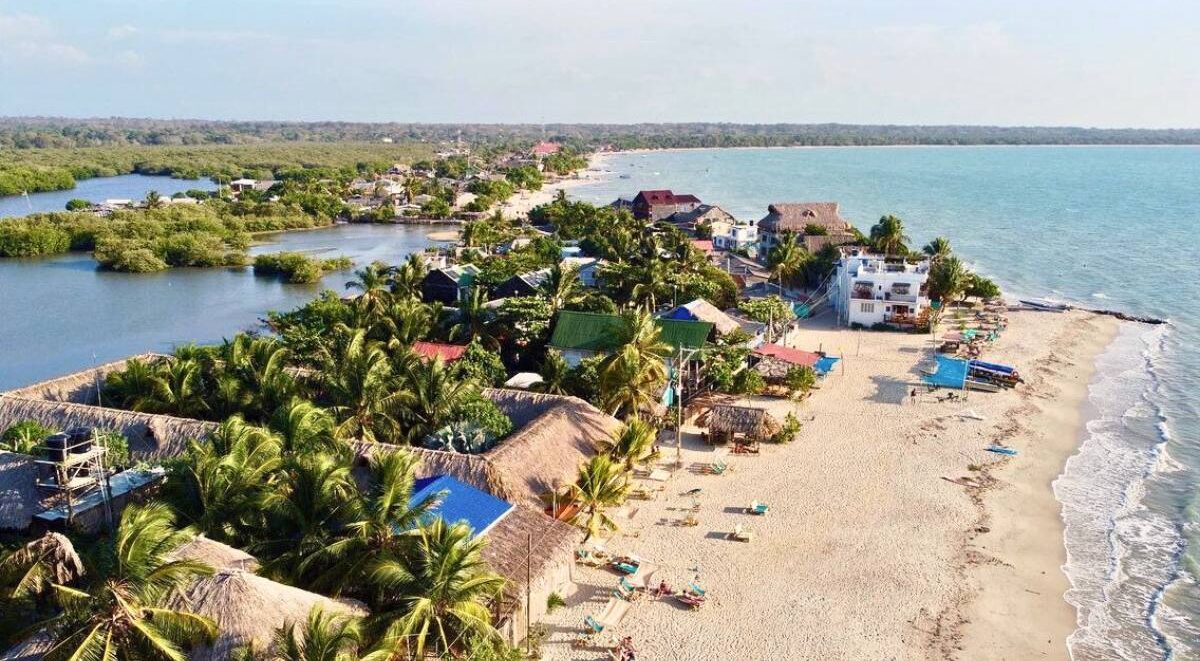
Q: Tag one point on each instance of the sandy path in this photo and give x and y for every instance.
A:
(867, 552)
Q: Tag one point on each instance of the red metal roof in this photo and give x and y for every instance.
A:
(788, 355)
(703, 244)
(546, 148)
(656, 196)
(684, 198)
(430, 350)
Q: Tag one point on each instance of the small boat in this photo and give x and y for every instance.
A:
(1000, 449)
(982, 386)
(1045, 305)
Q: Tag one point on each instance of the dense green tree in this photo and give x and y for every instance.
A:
(887, 236)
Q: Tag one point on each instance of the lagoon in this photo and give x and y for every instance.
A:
(123, 187)
(61, 314)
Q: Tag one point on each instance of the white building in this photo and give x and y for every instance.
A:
(742, 235)
(870, 289)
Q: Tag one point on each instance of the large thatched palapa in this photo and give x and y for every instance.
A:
(729, 422)
(248, 609)
(19, 497)
(553, 436)
(215, 554)
(80, 387)
(150, 436)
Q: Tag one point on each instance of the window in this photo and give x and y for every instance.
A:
(868, 308)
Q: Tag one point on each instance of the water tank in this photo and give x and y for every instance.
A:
(56, 447)
(81, 439)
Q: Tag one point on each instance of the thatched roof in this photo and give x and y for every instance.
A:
(150, 436)
(19, 497)
(747, 420)
(33, 648)
(508, 543)
(79, 387)
(248, 609)
(553, 435)
(795, 216)
(215, 554)
(702, 310)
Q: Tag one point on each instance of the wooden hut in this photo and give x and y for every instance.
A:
(727, 422)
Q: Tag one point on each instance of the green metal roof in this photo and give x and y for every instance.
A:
(593, 331)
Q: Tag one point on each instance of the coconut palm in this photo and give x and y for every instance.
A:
(324, 637)
(887, 236)
(32, 570)
(257, 366)
(786, 258)
(220, 490)
(439, 593)
(357, 377)
(177, 390)
(474, 321)
(632, 444)
(315, 491)
(374, 286)
(629, 384)
(602, 484)
(554, 374)
(561, 286)
(403, 322)
(133, 387)
(651, 282)
(406, 281)
(379, 524)
(154, 200)
(123, 613)
(937, 249)
(430, 398)
(303, 426)
(948, 279)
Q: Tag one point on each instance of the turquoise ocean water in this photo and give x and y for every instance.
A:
(1113, 227)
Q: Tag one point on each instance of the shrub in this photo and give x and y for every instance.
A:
(77, 204)
(24, 437)
(800, 379)
(298, 268)
(748, 382)
(18, 239)
(137, 260)
(554, 602)
(787, 433)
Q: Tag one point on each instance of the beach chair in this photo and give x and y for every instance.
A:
(718, 468)
(758, 508)
(741, 534)
(697, 590)
(691, 521)
(593, 625)
(690, 600)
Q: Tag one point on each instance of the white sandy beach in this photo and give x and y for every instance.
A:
(870, 551)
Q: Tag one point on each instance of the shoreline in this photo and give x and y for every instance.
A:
(887, 514)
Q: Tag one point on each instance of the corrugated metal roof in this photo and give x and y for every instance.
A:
(594, 331)
(460, 502)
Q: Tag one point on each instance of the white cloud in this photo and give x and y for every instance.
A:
(118, 32)
(25, 37)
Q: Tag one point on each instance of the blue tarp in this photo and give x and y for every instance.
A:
(460, 502)
(951, 373)
(824, 365)
(681, 313)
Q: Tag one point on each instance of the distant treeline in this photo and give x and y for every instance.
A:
(32, 133)
(43, 169)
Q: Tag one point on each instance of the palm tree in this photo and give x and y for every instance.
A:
(258, 366)
(32, 570)
(602, 484)
(561, 286)
(220, 490)
(786, 258)
(632, 444)
(123, 614)
(325, 637)
(554, 374)
(154, 200)
(631, 378)
(442, 590)
(474, 321)
(177, 390)
(357, 377)
(316, 490)
(403, 322)
(651, 282)
(133, 387)
(379, 525)
(303, 426)
(374, 286)
(948, 279)
(887, 236)
(430, 398)
(406, 281)
(937, 249)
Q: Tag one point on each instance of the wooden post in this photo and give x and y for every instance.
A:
(528, 590)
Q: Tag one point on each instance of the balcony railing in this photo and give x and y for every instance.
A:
(862, 292)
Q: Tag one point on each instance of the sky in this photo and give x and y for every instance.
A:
(1011, 62)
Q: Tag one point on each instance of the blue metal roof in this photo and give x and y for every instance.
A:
(460, 502)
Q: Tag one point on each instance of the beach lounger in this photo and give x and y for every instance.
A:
(691, 521)
(741, 534)
(592, 624)
(697, 590)
(758, 508)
